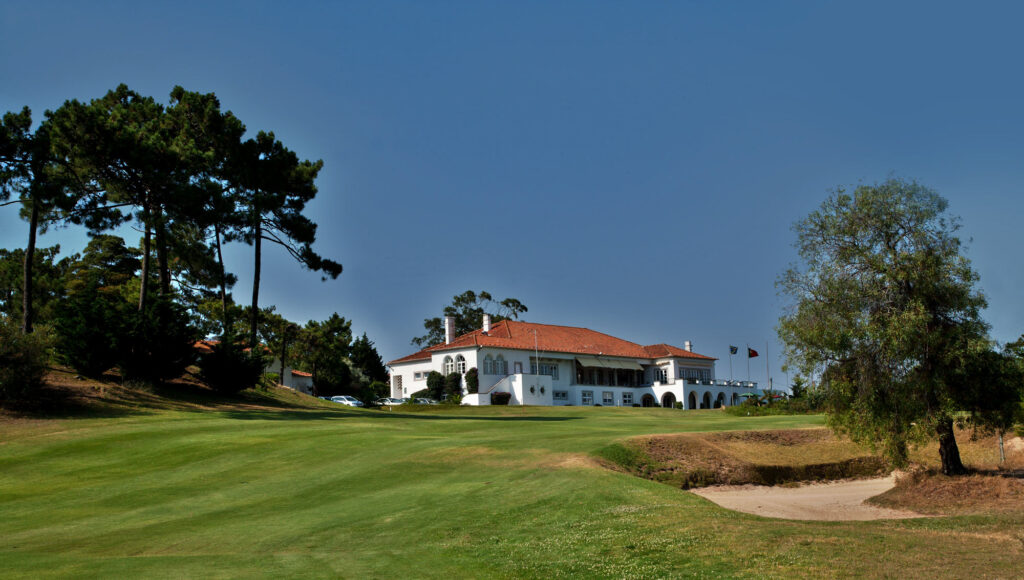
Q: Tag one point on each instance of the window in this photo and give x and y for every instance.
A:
(449, 365)
(397, 382)
(607, 398)
(560, 395)
(661, 375)
(587, 398)
(460, 364)
(500, 366)
(420, 376)
(695, 374)
(627, 398)
(488, 365)
(550, 369)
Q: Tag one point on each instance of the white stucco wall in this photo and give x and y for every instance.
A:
(519, 385)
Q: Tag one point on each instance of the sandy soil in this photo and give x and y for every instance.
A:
(836, 501)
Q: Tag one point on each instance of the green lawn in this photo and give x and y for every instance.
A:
(487, 492)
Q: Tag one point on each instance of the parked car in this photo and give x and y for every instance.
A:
(347, 400)
(425, 401)
(389, 401)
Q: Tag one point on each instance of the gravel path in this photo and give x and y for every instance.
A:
(836, 501)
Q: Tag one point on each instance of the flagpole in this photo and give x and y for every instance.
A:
(748, 362)
(767, 368)
(730, 363)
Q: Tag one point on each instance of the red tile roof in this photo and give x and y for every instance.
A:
(301, 374)
(517, 335)
(667, 350)
(205, 346)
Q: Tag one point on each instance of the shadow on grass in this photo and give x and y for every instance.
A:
(67, 395)
(289, 415)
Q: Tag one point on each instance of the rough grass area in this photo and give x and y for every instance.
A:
(754, 457)
(993, 486)
(928, 492)
(67, 394)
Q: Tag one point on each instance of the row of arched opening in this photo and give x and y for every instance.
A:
(693, 402)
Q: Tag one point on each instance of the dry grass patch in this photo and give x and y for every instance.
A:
(926, 491)
(735, 458)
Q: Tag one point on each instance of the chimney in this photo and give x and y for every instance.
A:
(688, 346)
(487, 323)
(449, 329)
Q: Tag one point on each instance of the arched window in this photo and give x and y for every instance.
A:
(501, 366)
(460, 364)
(488, 365)
(449, 365)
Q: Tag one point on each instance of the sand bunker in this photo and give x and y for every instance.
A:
(836, 501)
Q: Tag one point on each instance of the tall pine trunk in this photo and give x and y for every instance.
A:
(163, 267)
(223, 286)
(146, 246)
(30, 252)
(948, 449)
(257, 247)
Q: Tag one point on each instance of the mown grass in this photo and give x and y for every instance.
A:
(325, 491)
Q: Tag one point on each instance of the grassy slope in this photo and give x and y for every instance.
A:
(492, 492)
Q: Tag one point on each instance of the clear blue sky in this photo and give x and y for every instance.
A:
(629, 167)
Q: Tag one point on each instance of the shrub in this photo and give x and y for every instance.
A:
(420, 394)
(23, 360)
(679, 405)
(473, 380)
(500, 398)
(159, 343)
(90, 328)
(453, 385)
(435, 384)
(228, 369)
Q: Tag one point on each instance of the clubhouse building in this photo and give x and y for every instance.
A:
(544, 364)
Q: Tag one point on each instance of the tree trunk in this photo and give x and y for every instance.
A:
(284, 354)
(163, 266)
(948, 449)
(223, 286)
(257, 239)
(144, 274)
(30, 252)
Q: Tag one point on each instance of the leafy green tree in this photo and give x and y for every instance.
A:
(273, 190)
(885, 303)
(159, 342)
(375, 390)
(367, 360)
(322, 349)
(228, 368)
(472, 381)
(93, 321)
(468, 309)
(121, 148)
(28, 168)
(279, 334)
(91, 325)
(799, 388)
(48, 287)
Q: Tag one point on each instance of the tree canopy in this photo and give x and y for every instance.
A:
(468, 309)
(183, 173)
(886, 312)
